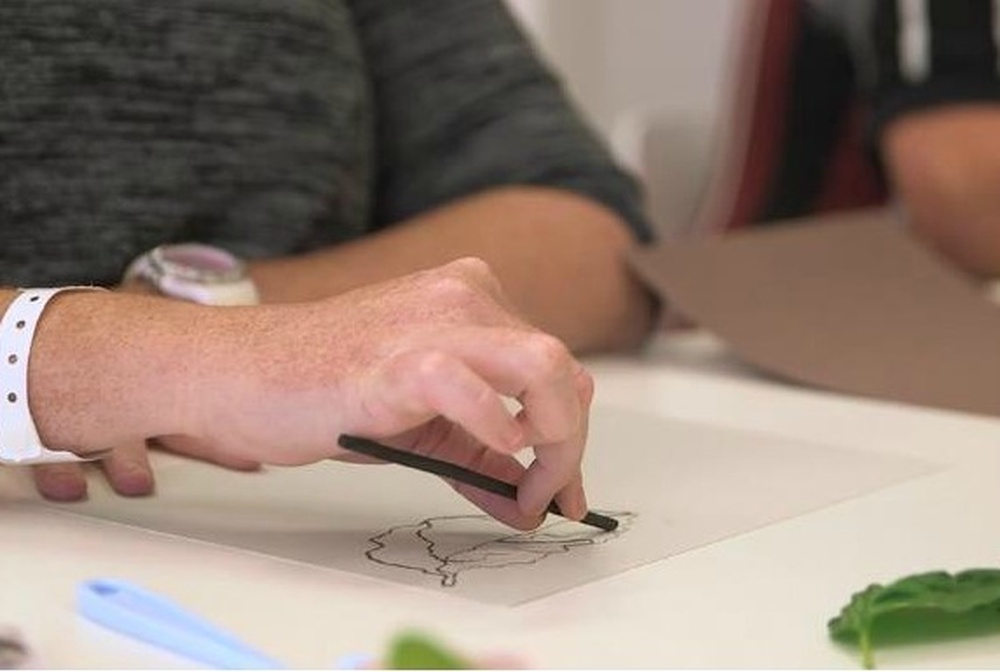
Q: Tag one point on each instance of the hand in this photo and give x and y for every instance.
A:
(126, 468)
(424, 363)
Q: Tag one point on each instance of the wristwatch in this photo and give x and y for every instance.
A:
(197, 273)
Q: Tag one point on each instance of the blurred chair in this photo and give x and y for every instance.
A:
(791, 141)
(671, 152)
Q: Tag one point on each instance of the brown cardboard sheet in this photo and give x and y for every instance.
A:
(849, 302)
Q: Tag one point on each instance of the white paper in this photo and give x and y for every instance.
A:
(675, 486)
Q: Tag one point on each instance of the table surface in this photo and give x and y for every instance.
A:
(760, 599)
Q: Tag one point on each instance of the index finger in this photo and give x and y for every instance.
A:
(556, 470)
(555, 393)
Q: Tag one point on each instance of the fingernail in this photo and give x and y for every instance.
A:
(131, 479)
(134, 482)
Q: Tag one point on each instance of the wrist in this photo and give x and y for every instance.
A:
(108, 369)
(19, 439)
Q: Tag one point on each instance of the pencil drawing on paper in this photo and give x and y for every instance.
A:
(446, 546)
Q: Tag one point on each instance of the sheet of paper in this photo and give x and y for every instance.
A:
(674, 486)
(849, 302)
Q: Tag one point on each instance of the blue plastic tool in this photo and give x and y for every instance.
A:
(138, 613)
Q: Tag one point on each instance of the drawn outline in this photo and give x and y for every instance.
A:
(532, 547)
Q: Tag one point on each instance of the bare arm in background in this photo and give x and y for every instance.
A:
(937, 123)
(559, 257)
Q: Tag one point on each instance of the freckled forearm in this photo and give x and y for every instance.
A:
(107, 368)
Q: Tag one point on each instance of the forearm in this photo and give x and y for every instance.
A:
(105, 369)
(944, 165)
(560, 258)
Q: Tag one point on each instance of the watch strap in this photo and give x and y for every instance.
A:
(232, 287)
(241, 292)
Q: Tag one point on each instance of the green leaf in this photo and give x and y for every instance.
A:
(413, 651)
(920, 607)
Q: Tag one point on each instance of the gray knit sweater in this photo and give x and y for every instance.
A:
(265, 126)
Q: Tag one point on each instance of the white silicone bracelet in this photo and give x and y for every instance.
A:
(19, 442)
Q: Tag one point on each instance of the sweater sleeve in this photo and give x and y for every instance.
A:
(933, 52)
(464, 104)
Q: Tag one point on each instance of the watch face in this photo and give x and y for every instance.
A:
(197, 262)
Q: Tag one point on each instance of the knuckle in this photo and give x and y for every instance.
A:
(413, 376)
(481, 399)
(398, 367)
(473, 267)
(549, 355)
(478, 272)
(407, 372)
(430, 364)
(452, 290)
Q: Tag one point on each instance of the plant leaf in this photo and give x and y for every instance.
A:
(920, 607)
(413, 651)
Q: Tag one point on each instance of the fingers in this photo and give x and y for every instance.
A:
(506, 468)
(551, 405)
(456, 446)
(128, 470)
(532, 367)
(555, 393)
(465, 379)
(554, 475)
(63, 482)
(423, 384)
(505, 510)
(572, 500)
(555, 472)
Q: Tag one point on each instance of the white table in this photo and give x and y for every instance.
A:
(761, 599)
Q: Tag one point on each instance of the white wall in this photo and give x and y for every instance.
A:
(621, 59)
(619, 55)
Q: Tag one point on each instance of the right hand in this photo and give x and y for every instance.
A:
(423, 363)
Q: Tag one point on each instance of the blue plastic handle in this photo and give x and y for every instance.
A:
(136, 612)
